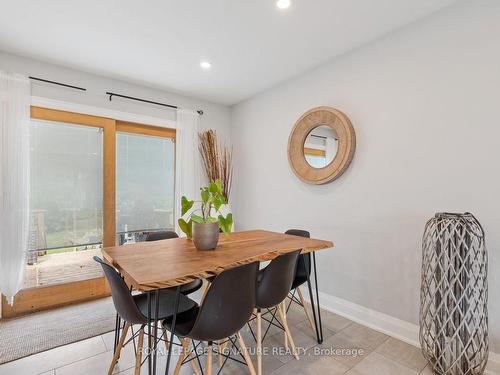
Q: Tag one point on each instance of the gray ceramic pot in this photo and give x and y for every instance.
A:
(205, 236)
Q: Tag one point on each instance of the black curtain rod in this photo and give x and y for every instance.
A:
(111, 94)
(58, 83)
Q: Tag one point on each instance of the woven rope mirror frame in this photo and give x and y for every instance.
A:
(310, 120)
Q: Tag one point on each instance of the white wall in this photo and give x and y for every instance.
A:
(425, 104)
(215, 116)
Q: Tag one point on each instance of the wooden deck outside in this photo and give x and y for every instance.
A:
(52, 269)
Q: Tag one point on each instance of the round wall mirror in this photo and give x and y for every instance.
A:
(321, 145)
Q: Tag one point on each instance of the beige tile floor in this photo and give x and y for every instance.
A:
(349, 348)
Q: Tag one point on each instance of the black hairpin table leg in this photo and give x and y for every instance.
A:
(155, 328)
(317, 298)
(317, 318)
(117, 332)
(174, 321)
(150, 363)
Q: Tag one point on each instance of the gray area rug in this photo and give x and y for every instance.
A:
(34, 333)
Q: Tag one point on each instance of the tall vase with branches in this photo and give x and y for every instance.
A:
(217, 160)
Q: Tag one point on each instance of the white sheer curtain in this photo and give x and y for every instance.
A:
(187, 159)
(15, 97)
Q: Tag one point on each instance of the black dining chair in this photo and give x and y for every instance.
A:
(302, 274)
(133, 309)
(274, 283)
(188, 288)
(226, 308)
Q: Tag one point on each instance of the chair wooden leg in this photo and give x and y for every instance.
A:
(301, 297)
(284, 333)
(138, 353)
(287, 331)
(209, 359)
(244, 351)
(182, 357)
(221, 346)
(119, 348)
(259, 342)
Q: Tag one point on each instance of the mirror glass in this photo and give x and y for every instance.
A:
(321, 146)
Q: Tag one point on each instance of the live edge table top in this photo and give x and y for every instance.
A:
(168, 263)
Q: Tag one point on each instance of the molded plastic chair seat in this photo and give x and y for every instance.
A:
(185, 321)
(133, 309)
(161, 235)
(273, 285)
(275, 281)
(190, 287)
(226, 308)
(166, 305)
(298, 280)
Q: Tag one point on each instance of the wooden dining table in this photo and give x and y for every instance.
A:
(150, 266)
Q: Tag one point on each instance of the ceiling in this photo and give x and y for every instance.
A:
(251, 44)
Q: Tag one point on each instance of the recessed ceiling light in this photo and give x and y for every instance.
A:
(283, 4)
(205, 65)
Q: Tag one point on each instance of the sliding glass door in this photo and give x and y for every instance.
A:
(144, 185)
(66, 203)
(94, 182)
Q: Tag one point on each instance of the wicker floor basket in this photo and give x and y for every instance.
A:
(454, 295)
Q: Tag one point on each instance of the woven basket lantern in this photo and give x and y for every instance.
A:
(454, 295)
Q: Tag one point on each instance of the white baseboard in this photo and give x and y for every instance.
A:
(376, 320)
(389, 325)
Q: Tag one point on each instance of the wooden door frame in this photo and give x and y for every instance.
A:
(47, 297)
(143, 129)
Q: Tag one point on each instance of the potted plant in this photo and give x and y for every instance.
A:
(202, 224)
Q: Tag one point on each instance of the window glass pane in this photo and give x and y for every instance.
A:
(144, 184)
(66, 185)
(65, 203)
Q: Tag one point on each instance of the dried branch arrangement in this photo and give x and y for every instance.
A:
(217, 160)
